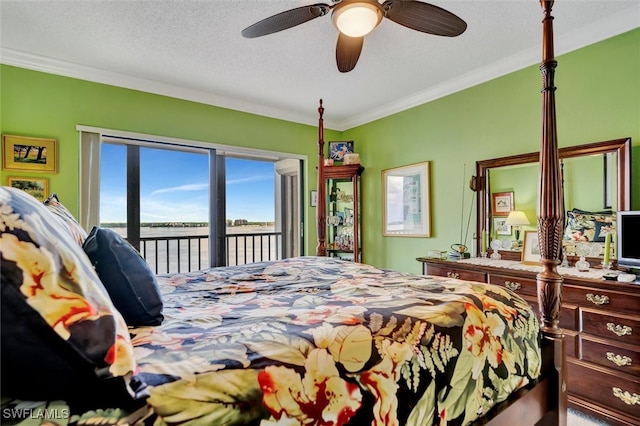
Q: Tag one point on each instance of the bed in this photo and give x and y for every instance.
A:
(310, 340)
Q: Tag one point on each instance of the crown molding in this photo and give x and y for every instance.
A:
(67, 69)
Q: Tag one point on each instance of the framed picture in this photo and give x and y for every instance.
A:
(38, 187)
(502, 203)
(29, 154)
(338, 149)
(406, 201)
(313, 198)
(501, 227)
(531, 248)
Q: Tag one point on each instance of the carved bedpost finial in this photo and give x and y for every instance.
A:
(550, 194)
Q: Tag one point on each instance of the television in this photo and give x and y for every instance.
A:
(628, 241)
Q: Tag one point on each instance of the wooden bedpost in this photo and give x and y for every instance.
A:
(550, 229)
(321, 206)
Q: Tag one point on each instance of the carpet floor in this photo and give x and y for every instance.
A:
(578, 418)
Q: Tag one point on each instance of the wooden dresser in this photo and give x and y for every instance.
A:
(601, 321)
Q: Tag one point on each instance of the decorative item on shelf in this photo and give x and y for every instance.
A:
(496, 245)
(328, 162)
(459, 251)
(351, 158)
(333, 220)
(583, 250)
(436, 254)
(483, 246)
(516, 219)
(607, 252)
(338, 149)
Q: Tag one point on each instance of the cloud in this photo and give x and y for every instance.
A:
(249, 179)
(182, 188)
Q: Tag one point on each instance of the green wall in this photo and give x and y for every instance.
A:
(598, 98)
(44, 105)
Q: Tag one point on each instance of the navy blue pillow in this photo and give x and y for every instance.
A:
(128, 279)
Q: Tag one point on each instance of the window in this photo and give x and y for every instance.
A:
(186, 207)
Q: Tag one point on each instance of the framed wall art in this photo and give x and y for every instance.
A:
(38, 187)
(26, 154)
(501, 227)
(531, 248)
(338, 149)
(502, 203)
(406, 201)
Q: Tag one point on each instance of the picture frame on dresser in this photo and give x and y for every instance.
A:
(531, 248)
(500, 225)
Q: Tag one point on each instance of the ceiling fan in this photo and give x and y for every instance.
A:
(356, 18)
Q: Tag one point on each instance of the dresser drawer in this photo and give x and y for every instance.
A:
(571, 341)
(613, 327)
(624, 358)
(462, 274)
(604, 387)
(609, 300)
(522, 286)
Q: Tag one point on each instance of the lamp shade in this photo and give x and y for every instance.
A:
(516, 218)
(356, 19)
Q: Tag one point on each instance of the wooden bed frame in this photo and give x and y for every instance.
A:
(545, 403)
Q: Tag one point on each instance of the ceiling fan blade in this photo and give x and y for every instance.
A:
(348, 51)
(286, 19)
(424, 17)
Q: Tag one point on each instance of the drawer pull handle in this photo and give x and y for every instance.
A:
(618, 360)
(596, 299)
(453, 275)
(619, 330)
(626, 397)
(513, 285)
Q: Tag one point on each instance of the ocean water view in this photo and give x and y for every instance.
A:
(186, 248)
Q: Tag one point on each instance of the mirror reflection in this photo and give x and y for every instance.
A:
(596, 181)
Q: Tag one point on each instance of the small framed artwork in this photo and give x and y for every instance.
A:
(502, 203)
(313, 198)
(338, 149)
(27, 154)
(38, 187)
(531, 248)
(501, 227)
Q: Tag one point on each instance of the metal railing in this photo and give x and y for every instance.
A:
(169, 254)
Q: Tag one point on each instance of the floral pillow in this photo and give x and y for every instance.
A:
(72, 225)
(62, 338)
(589, 226)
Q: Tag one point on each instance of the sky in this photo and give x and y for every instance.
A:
(174, 187)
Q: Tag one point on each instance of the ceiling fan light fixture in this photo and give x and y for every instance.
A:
(356, 19)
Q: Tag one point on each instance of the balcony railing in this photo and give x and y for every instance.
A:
(169, 254)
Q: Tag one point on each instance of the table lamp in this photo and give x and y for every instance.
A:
(517, 218)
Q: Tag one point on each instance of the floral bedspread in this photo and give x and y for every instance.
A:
(319, 341)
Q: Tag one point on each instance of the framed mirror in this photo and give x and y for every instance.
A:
(596, 177)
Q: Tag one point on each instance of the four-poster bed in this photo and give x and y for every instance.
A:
(308, 340)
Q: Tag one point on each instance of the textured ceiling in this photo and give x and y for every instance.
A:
(193, 49)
